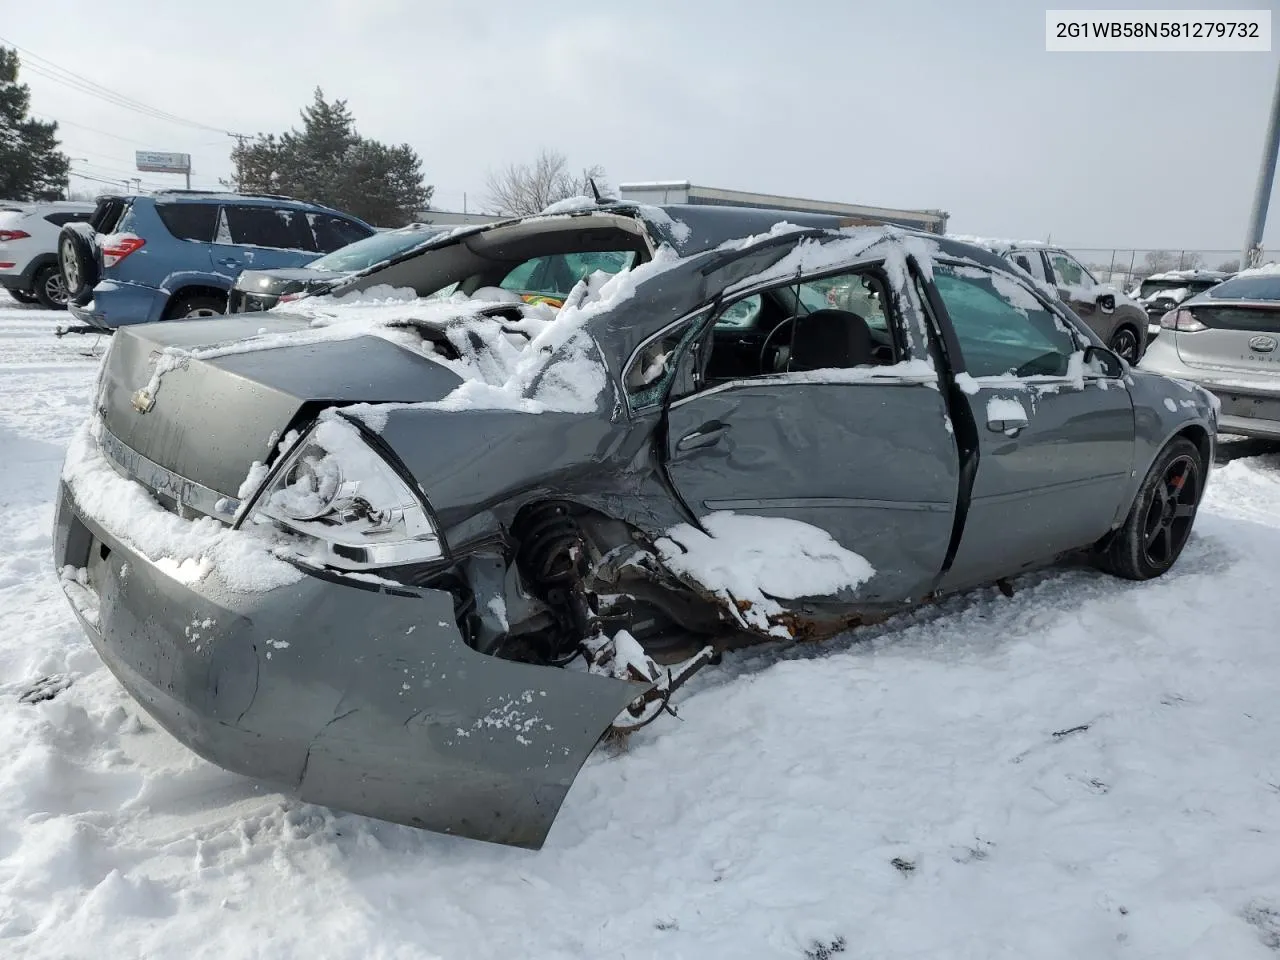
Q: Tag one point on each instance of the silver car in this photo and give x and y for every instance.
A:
(1227, 340)
(415, 567)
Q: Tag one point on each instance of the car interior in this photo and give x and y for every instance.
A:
(489, 257)
(833, 322)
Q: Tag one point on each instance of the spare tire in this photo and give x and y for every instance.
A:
(78, 261)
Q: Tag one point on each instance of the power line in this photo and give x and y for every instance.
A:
(81, 126)
(86, 176)
(52, 71)
(109, 97)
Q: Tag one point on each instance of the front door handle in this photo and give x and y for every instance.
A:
(1009, 427)
(705, 436)
(229, 262)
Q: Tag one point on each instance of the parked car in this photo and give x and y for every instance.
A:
(1118, 319)
(258, 290)
(1162, 292)
(1227, 340)
(415, 558)
(29, 250)
(174, 255)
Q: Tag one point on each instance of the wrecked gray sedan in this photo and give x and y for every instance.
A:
(416, 554)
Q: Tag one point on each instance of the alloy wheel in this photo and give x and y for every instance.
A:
(1173, 508)
(70, 267)
(55, 289)
(1125, 344)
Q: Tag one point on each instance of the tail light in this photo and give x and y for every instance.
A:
(115, 248)
(288, 297)
(6, 235)
(1181, 320)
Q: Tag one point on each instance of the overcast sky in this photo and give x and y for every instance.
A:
(917, 103)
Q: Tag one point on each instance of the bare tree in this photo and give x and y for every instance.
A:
(1162, 261)
(1229, 266)
(1159, 261)
(519, 189)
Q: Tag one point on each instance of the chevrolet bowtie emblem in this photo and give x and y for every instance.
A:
(143, 400)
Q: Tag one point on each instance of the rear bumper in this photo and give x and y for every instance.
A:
(118, 304)
(1249, 409)
(1264, 429)
(22, 276)
(354, 696)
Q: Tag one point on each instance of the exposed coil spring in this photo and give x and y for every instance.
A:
(551, 545)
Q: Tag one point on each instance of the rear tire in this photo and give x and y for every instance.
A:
(22, 296)
(196, 306)
(49, 288)
(1161, 517)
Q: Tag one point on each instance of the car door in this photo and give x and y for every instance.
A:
(260, 237)
(865, 453)
(1055, 441)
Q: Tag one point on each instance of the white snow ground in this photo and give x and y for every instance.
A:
(929, 789)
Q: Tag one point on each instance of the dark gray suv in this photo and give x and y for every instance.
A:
(1119, 320)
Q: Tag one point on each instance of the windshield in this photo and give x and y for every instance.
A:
(381, 246)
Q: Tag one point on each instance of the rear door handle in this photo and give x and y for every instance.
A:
(229, 262)
(705, 436)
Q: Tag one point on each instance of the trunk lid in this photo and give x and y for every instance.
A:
(212, 417)
(1242, 339)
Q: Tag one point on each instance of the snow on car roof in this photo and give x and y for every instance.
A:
(1266, 270)
(1188, 275)
(997, 244)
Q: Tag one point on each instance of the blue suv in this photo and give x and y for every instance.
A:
(176, 254)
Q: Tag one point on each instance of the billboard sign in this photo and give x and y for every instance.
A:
(148, 161)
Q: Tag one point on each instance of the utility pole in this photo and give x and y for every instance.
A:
(1252, 252)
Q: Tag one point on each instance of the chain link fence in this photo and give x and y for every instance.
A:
(1126, 267)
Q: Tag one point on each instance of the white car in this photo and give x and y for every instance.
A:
(29, 249)
(1227, 340)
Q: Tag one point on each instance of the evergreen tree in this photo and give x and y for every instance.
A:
(31, 165)
(328, 162)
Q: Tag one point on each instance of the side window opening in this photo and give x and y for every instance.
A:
(1001, 326)
(839, 321)
(654, 366)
